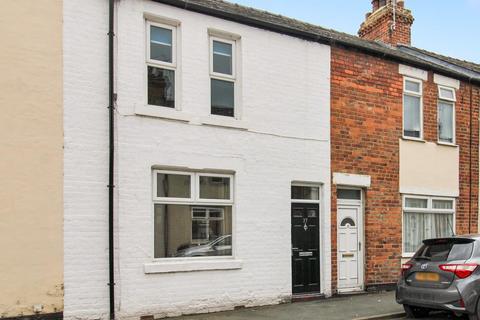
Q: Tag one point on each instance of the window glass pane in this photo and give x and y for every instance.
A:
(349, 194)
(161, 87)
(160, 44)
(447, 94)
(412, 86)
(214, 187)
(445, 122)
(411, 116)
(305, 193)
(442, 204)
(173, 186)
(420, 226)
(445, 250)
(222, 57)
(223, 98)
(179, 234)
(347, 222)
(416, 203)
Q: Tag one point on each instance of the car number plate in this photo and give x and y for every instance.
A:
(427, 276)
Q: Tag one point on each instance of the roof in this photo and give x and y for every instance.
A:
(296, 28)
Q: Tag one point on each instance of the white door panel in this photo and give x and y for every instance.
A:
(349, 236)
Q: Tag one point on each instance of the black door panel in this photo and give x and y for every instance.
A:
(305, 248)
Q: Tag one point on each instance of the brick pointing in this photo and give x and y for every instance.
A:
(366, 125)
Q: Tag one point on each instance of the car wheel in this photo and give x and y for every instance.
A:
(475, 316)
(415, 312)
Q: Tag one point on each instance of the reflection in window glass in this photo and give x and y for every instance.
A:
(445, 121)
(416, 203)
(411, 116)
(214, 188)
(161, 44)
(447, 94)
(192, 231)
(442, 204)
(161, 87)
(349, 194)
(412, 86)
(173, 186)
(305, 193)
(222, 57)
(223, 97)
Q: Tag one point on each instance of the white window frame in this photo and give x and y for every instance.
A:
(161, 64)
(452, 102)
(169, 199)
(414, 94)
(225, 77)
(215, 175)
(428, 209)
(193, 201)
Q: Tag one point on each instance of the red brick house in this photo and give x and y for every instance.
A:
(404, 137)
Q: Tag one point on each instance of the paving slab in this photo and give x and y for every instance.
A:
(337, 308)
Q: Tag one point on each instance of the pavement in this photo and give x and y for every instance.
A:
(363, 306)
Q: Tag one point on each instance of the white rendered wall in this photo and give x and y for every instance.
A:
(285, 137)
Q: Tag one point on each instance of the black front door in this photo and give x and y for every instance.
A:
(305, 248)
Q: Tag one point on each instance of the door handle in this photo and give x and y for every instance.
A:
(359, 246)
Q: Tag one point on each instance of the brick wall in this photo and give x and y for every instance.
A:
(366, 125)
(366, 115)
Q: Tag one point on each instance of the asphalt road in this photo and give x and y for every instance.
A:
(442, 316)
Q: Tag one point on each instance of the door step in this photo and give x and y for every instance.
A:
(307, 297)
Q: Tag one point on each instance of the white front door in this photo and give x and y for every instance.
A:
(349, 246)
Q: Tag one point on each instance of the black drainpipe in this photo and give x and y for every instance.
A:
(111, 158)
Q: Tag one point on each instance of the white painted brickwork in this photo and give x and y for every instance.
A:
(285, 111)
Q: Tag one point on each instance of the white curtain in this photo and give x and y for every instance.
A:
(420, 226)
(445, 121)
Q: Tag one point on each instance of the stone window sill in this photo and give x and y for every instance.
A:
(161, 112)
(413, 139)
(185, 265)
(226, 122)
(447, 144)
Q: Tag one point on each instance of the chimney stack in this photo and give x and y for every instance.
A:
(388, 22)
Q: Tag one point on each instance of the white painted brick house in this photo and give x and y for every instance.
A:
(278, 135)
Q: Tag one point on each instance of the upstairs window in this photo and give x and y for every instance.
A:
(446, 115)
(161, 64)
(412, 109)
(222, 76)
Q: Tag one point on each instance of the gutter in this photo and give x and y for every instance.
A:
(111, 157)
(310, 36)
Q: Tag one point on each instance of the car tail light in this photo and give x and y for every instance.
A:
(460, 270)
(406, 266)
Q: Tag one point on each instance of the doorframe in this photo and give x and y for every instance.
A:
(320, 216)
(361, 235)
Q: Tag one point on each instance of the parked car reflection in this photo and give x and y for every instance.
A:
(222, 246)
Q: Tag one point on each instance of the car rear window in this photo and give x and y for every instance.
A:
(445, 250)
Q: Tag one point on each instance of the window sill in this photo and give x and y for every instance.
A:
(190, 266)
(447, 144)
(226, 122)
(413, 139)
(161, 112)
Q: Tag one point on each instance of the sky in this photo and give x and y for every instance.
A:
(449, 27)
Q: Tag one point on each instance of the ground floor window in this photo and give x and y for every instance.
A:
(192, 214)
(426, 217)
